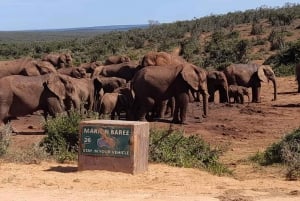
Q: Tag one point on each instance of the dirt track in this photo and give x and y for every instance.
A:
(241, 130)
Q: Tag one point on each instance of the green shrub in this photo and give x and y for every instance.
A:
(173, 148)
(5, 133)
(286, 151)
(62, 135)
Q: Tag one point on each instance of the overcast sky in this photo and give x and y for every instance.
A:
(53, 14)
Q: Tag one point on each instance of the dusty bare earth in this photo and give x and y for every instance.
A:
(241, 130)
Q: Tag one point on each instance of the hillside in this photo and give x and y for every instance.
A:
(270, 35)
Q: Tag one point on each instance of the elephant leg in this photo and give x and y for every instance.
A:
(53, 107)
(299, 85)
(241, 99)
(162, 108)
(142, 108)
(4, 108)
(256, 94)
(181, 104)
(183, 108)
(211, 97)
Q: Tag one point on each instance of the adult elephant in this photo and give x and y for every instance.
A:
(154, 84)
(217, 81)
(25, 66)
(161, 59)
(297, 72)
(123, 70)
(59, 60)
(251, 75)
(23, 95)
(116, 59)
(76, 72)
(80, 93)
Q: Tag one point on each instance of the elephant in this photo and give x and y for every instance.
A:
(83, 94)
(116, 102)
(116, 59)
(237, 93)
(59, 60)
(106, 85)
(90, 66)
(25, 66)
(251, 75)
(217, 81)
(76, 72)
(124, 70)
(297, 72)
(22, 95)
(160, 59)
(154, 84)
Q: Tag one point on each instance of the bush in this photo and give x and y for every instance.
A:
(287, 152)
(62, 136)
(5, 133)
(173, 148)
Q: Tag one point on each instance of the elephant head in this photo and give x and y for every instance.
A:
(196, 77)
(265, 73)
(160, 59)
(216, 80)
(59, 60)
(62, 88)
(65, 60)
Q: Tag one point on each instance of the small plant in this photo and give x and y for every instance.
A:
(5, 133)
(31, 155)
(173, 148)
(286, 151)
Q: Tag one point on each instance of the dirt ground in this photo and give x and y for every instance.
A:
(241, 130)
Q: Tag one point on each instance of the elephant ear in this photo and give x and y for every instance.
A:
(59, 86)
(190, 76)
(261, 73)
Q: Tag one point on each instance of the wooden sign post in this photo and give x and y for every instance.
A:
(113, 145)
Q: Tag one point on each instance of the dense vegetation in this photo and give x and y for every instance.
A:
(212, 42)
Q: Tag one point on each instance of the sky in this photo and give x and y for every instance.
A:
(56, 14)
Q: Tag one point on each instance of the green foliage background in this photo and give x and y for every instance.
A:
(225, 46)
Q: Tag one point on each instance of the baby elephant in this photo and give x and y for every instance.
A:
(121, 100)
(238, 93)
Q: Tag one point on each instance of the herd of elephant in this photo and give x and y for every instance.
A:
(141, 89)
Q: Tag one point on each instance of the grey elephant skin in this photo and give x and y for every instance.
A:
(121, 100)
(217, 81)
(23, 95)
(161, 59)
(25, 66)
(297, 72)
(80, 92)
(237, 93)
(251, 75)
(76, 72)
(124, 70)
(154, 84)
(59, 60)
(116, 59)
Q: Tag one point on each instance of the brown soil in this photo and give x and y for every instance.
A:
(241, 130)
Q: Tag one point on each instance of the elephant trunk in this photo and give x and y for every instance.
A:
(275, 88)
(205, 103)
